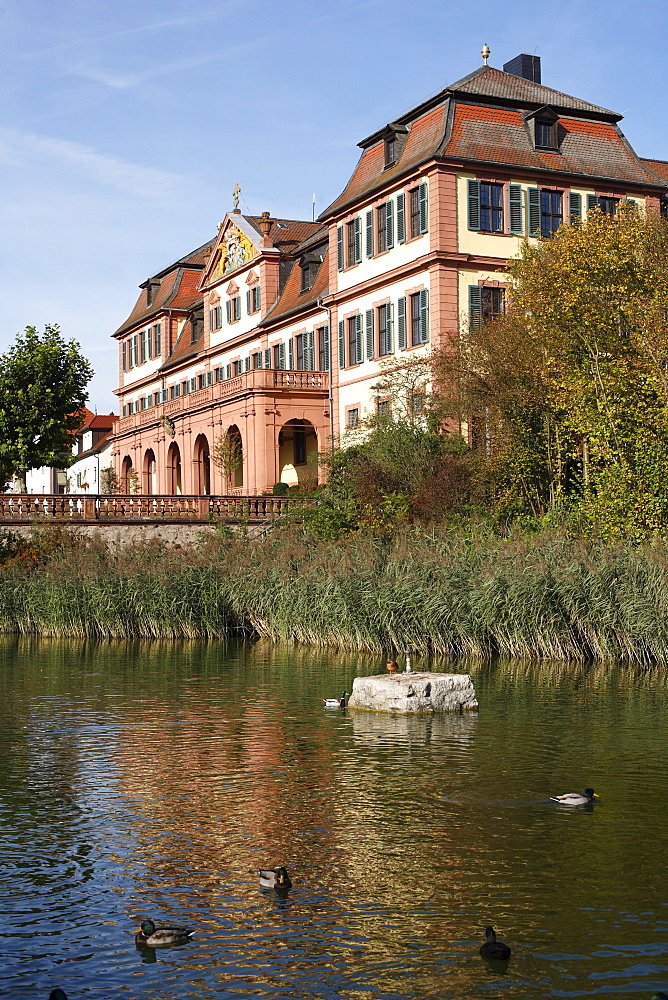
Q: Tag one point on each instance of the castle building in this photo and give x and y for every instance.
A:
(267, 343)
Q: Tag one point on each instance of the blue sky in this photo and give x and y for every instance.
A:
(124, 125)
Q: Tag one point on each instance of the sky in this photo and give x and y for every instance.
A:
(124, 124)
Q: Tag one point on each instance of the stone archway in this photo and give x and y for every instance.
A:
(202, 466)
(174, 482)
(149, 473)
(230, 458)
(127, 476)
(298, 454)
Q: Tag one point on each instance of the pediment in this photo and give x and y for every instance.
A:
(546, 114)
(237, 243)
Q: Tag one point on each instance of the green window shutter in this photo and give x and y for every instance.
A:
(291, 354)
(248, 301)
(228, 310)
(228, 371)
(401, 218)
(424, 315)
(534, 211)
(211, 319)
(515, 208)
(575, 207)
(369, 233)
(248, 367)
(324, 333)
(358, 339)
(369, 334)
(389, 336)
(357, 232)
(124, 351)
(422, 202)
(309, 353)
(267, 357)
(475, 306)
(401, 324)
(342, 344)
(474, 204)
(339, 247)
(592, 202)
(389, 225)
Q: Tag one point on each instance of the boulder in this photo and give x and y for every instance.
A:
(414, 692)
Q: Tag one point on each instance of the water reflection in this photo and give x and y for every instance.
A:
(145, 780)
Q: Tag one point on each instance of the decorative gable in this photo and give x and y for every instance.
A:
(234, 247)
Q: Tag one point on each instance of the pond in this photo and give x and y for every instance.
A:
(146, 780)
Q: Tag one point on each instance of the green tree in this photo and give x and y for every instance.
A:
(43, 381)
(569, 391)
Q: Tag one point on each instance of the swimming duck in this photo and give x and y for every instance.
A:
(492, 949)
(57, 995)
(274, 878)
(161, 937)
(660, 996)
(575, 798)
(336, 702)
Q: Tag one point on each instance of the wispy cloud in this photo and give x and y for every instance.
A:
(103, 168)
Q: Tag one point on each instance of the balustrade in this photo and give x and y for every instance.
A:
(28, 508)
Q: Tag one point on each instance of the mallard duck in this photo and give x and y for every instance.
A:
(492, 949)
(660, 996)
(57, 995)
(575, 798)
(161, 937)
(274, 878)
(336, 702)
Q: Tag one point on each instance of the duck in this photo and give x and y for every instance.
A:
(660, 996)
(57, 995)
(492, 949)
(336, 702)
(575, 798)
(161, 937)
(274, 878)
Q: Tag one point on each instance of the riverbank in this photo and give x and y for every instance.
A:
(443, 591)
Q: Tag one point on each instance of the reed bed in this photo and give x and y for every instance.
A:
(448, 592)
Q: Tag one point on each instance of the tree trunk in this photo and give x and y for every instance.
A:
(20, 478)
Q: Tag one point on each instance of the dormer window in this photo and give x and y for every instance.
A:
(310, 264)
(543, 127)
(394, 137)
(546, 134)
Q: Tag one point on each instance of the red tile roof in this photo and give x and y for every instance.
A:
(496, 135)
(659, 167)
(490, 82)
(285, 233)
(97, 421)
(422, 141)
(487, 126)
(177, 289)
(292, 299)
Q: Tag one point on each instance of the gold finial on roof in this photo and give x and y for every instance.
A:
(484, 52)
(235, 194)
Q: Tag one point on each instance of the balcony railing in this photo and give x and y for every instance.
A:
(22, 508)
(258, 380)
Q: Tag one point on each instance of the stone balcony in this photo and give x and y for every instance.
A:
(266, 381)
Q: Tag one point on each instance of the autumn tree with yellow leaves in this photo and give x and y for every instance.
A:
(567, 392)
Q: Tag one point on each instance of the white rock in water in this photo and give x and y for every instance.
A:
(414, 692)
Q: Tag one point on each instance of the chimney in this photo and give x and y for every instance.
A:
(528, 67)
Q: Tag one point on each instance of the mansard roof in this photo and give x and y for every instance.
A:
(175, 287)
(482, 118)
(490, 82)
(292, 300)
(658, 167)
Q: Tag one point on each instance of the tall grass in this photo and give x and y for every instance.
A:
(543, 597)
